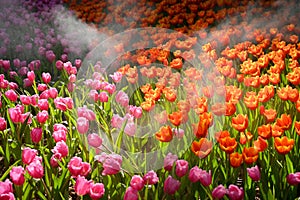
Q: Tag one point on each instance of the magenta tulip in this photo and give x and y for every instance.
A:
(169, 161)
(171, 185)
(254, 173)
(82, 186)
(219, 192)
(137, 182)
(150, 178)
(36, 135)
(28, 155)
(97, 190)
(131, 194)
(235, 193)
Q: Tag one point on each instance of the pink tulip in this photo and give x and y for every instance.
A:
(6, 64)
(293, 178)
(59, 135)
(16, 113)
(42, 116)
(122, 98)
(42, 87)
(93, 94)
(31, 76)
(46, 77)
(59, 65)
(28, 155)
(182, 167)
(130, 128)
(7, 196)
(36, 135)
(116, 121)
(53, 93)
(87, 113)
(235, 193)
(86, 169)
(97, 190)
(25, 100)
(169, 161)
(57, 127)
(137, 182)
(50, 56)
(78, 63)
(75, 166)
(94, 140)
(254, 173)
(45, 94)
(35, 168)
(34, 99)
(219, 192)
(11, 95)
(82, 125)
(2, 124)
(205, 178)
(171, 185)
(62, 148)
(150, 178)
(110, 88)
(131, 194)
(17, 175)
(82, 186)
(116, 77)
(6, 187)
(137, 112)
(59, 104)
(112, 164)
(54, 159)
(43, 104)
(103, 97)
(194, 174)
(71, 87)
(13, 85)
(178, 132)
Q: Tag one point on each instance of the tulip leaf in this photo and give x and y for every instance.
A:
(5, 174)
(289, 165)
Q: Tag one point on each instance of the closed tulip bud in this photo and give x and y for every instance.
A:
(28, 155)
(205, 178)
(36, 135)
(171, 185)
(31, 75)
(46, 77)
(254, 173)
(131, 194)
(11, 95)
(17, 175)
(219, 192)
(42, 116)
(194, 174)
(94, 140)
(169, 161)
(137, 182)
(2, 124)
(82, 125)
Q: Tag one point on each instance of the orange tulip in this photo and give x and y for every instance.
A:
(250, 155)
(148, 105)
(245, 137)
(270, 114)
(297, 127)
(285, 121)
(264, 131)
(230, 108)
(283, 145)
(202, 105)
(240, 122)
(221, 134)
(218, 109)
(205, 121)
(260, 144)
(202, 148)
(184, 105)
(276, 130)
(164, 134)
(170, 94)
(251, 100)
(228, 144)
(176, 63)
(236, 159)
(176, 118)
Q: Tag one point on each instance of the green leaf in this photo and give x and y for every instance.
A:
(289, 165)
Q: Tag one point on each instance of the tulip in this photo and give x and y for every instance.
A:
(11, 95)
(122, 98)
(6, 187)
(75, 166)
(28, 155)
(131, 194)
(169, 161)
(86, 169)
(254, 173)
(194, 174)
(43, 104)
(235, 193)
(31, 76)
(96, 190)
(17, 175)
(112, 165)
(59, 135)
(46, 77)
(165, 134)
(94, 140)
(87, 113)
(171, 185)
(219, 192)
(116, 77)
(150, 178)
(54, 159)
(201, 148)
(53, 93)
(205, 178)
(35, 168)
(103, 97)
(182, 167)
(82, 125)
(130, 128)
(36, 135)
(293, 178)
(2, 124)
(26, 100)
(62, 148)
(137, 182)
(42, 116)
(82, 186)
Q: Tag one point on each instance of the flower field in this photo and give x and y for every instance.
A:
(149, 99)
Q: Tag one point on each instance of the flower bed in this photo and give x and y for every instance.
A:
(149, 100)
